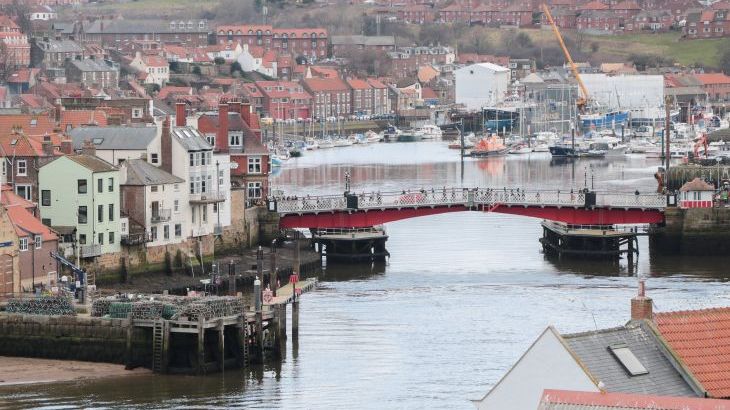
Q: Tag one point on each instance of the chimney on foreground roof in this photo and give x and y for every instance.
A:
(67, 146)
(641, 305)
(221, 135)
(166, 146)
(88, 148)
(180, 120)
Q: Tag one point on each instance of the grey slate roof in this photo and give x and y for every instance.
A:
(92, 163)
(60, 46)
(592, 349)
(121, 26)
(119, 138)
(191, 139)
(89, 65)
(141, 172)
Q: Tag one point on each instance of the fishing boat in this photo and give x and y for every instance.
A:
(652, 116)
(563, 151)
(341, 142)
(391, 133)
(610, 119)
(409, 136)
(468, 142)
(520, 149)
(491, 146)
(429, 131)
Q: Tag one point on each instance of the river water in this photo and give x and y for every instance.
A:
(462, 296)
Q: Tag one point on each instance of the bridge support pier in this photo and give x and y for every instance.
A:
(604, 242)
(351, 245)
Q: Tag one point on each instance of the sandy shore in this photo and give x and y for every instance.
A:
(22, 370)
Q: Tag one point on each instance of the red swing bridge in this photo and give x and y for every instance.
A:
(363, 210)
(580, 223)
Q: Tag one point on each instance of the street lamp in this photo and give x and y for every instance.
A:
(348, 178)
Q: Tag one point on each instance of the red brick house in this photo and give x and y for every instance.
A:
(254, 96)
(417, 14)
(284, 99)
(716, 85)
(598, 20)
(330, 97)
(362, 96)
(707, 24)
(484, 14)
(627, 9)
(653, 20)
(235, 130)
(563, 17)
(593, 6)
(457, 12)
(381, 99)
(518, 14)
(308, 42)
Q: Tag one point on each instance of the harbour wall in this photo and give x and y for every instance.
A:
(695, 231)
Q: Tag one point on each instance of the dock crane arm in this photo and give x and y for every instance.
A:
(581, 101)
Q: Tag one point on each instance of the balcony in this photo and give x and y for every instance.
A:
(90, 251)
(208, 197)
(135, 239)
(161, 215)
(201, 231)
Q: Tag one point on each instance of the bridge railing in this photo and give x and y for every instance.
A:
(467, 197)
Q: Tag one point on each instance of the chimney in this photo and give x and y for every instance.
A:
(166, 146)
(67, 146)
(246, 113)
(221, 135)
(88, 148)
(180, 120)
(47, 146)
(641, 305)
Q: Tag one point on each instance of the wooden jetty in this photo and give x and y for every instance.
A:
(596, 242)
(351, 244)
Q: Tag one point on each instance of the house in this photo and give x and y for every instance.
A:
(284, 99)
(361, 96)
(154, 201)
(480, 85)
(580, 400)
(457, 12)
(234, 131)
(308, 42)
(416, 14)
(42, 13)
(696, 194)
(35, 242)
(598, 21)
(111, 33)
(346, 45)
(92, 74)
(627, 359)
(9, 256)
(80, 192)
(408, 95)
(563, 18)
(151, 69)
(707, 23)
(15, 52)
(52, 55)
(330, 97)
(188, 155)
(22, 157)
(650, 20)
(381, 99)
(716, 85)
(626, 9)
(255, 58)
(406, 60)
(117, 144)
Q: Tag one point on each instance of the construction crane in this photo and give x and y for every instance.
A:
(581, 101)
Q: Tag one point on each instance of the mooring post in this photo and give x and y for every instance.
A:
(221, 345)
(273, 274)
(295, 318)
(128, 351)
(259, 320)
(241, 339)
(165, 346)
(201, 347)
(231, 278)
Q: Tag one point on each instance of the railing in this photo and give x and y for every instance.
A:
(135, 239)
(563, 227)
(469, 197)
(208, 197)
(161, 215)
(379, 230)
(89, 251)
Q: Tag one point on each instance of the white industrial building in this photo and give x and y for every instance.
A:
(625, 92)
(481, 85)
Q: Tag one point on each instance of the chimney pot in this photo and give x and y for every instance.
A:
(641, 305)
(67, 146)
(88, 148)
(180, 119)
(221, 136)
(166, 146)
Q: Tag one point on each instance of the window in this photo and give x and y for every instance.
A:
(202, 186)
(166, 231)
(153, 233)
(38, 241)
(177, 187)
(254, 190)
(82, 215)
(24, 191)
(82, 239)
(23, 244)
(46, 221)
(111, 212)
(153, 188)
(178, 230)
(99, 185)
(101, 238)
(111, 185)
(235, 140)
(205, 213)
(100, 213)
(46, 197)
(192, 159)
(81, 184)
(210, 139)
(111, 238)
(215, 207)
(254, 165)
(154, 158)
(176, 206)
(22, 168)
(626, 357)
(193, 213)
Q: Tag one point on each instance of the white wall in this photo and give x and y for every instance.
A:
(547, 364)
(625, 91)
(478, 86)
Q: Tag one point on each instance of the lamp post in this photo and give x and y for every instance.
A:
(347, 182)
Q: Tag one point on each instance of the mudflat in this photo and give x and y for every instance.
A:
(23, 370)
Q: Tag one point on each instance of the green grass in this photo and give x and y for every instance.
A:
(155, 8)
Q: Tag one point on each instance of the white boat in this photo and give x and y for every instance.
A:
(429, 131)
(372, 136)
(541, 147)
(520, 149)
(310, 144)
(640, 146)
(341, 142)
(327, 143)
(644, 131)
(469, 141)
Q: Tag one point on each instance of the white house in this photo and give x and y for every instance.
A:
(117, 144)
(228, 52)
(151, 69)
(481, 85)
(43, 13)
(253, 58)
(154, 201)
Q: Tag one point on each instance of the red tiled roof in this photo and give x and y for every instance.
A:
(428, 92)
(287, 86)
(154, 61)
(10, 198)
(376, 83)
(713, 78)
(594, 5)
(358, 84)
(604, 400)
(325, 84)
(324, 72)
(627, 5)
(23, 75)
(171, 89)
(31, 124)
(77, 118)
(701, 339)
(23, 222)
(32, 101)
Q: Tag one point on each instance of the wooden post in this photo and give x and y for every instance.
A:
(273, 276)
(295, 318)
(165, 346)
(241, 339)
(201, 347)
(259, 337)
(128, 354)
(221, 345)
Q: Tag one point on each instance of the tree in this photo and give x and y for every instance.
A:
(594, 47)
(236, 67)
(523, 40)
(196, 70)
(219, 61)
(725, 61)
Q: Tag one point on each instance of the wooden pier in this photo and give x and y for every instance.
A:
(592, 242)
(355, 244)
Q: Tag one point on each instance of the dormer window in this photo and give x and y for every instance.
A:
(172, 26)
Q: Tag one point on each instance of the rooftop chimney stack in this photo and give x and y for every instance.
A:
(67, 146)
(88, 148)
(180, 120)
(246, 113)
(47, 146)
(221, 135)
(641, 305)
(166, 146)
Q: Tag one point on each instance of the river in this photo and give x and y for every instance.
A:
(461, 297)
